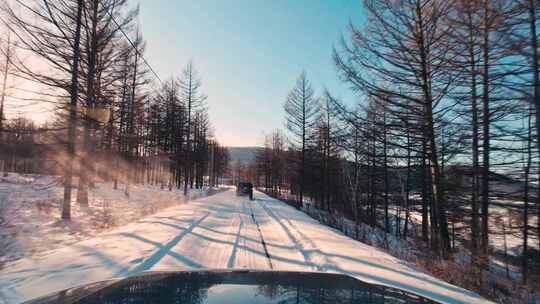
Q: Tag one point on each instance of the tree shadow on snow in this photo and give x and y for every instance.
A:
(163, 250)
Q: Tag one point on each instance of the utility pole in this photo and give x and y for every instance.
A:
(4, 83)
(212, 166)
(3, 97)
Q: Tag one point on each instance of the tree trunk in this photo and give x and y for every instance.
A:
(525, 253)
(486, 135)
(536, 84)
(475, 138)
(74, 92)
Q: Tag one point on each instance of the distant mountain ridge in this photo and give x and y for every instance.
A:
(243, 154)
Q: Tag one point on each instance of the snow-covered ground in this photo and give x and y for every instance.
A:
(221, 231)
(505, 221)
(30, 207)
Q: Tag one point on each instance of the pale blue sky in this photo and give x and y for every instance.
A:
(248, 53)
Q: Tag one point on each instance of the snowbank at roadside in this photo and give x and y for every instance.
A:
(30, 209)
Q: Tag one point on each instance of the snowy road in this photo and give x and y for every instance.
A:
(221, 231)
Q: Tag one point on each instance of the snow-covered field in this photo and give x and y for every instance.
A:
(505, 221)
(30, 207)
(220, 231)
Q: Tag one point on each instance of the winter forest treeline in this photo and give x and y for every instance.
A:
(114, 118)
(447, 111)
(443, 131)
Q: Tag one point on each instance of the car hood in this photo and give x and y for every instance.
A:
(233, 286)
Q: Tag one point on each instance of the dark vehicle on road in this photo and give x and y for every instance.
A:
(245, 188)
(233, 286)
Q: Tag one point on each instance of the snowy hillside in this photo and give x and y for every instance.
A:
(243, 154)
(221, 231)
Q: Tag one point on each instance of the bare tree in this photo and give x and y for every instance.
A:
(192, 97)
(401, 57)
(102, 32)
(54, 35)
(301, 108)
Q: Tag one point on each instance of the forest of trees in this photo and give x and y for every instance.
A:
(448, 103)
(113, 118)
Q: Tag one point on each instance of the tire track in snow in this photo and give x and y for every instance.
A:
(215, 251)
(219, 251)
(269, 259)
(297, 244)
(232, 257)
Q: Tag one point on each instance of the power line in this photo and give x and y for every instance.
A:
(134, 47)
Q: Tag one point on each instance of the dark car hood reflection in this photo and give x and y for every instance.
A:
(233, 287)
